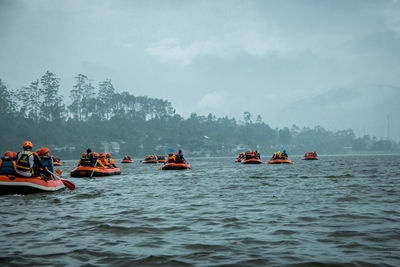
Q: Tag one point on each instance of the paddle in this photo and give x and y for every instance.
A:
(67, 183)
(94, 167)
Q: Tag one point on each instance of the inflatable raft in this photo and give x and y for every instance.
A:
(127, 161)
(280, 161)
(10, 184)
(251, 161)
(86, 171)
(176, 166)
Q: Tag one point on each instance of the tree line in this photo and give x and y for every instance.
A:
(98, 114)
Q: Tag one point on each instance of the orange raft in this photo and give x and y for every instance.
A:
(127, 161)
(280, 161)
(87, 171)
(176, 166)
(11, 184)
(251, 161)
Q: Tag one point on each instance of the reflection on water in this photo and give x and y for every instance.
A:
(338, 210)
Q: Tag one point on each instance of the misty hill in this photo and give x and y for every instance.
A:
(100, 117)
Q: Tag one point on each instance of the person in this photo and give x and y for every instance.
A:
(28, 162)
(103, 160)
(47, 161)
(284, 154)
(86, 160)
(96, 160)
(7, 164)
(257, 155)
(110, 160)
(179, 157)
(171, 158)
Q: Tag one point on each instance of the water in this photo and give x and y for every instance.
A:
(340, 210)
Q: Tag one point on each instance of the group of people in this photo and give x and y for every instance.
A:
(126, 157)
(177, 158)
(311, 154)
(252, 155)
(248, 155)
(279, 155)
(93, 159)
(27, 163)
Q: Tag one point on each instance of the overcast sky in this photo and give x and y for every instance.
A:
(330, 63)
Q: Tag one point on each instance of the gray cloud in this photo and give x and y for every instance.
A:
(224, 57)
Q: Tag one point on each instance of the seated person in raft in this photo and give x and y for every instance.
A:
(8, 163)
(47, 161)
(179, 157)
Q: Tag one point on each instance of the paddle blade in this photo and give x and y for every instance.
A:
(159, 168)
(58, 172)
(68, 184)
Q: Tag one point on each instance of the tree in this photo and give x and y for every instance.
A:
(259, 119)
(83, 98)
(31, 100)
(105, 99)
(247, 117)
(52, 107)
(6, 103)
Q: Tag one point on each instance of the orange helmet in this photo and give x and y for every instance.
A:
(14, 154)
(102, 155)
(27, 144)
(8, 154)
(170, 154)
(84, 155)
(108, 155)
(43, 151)
(95, 154)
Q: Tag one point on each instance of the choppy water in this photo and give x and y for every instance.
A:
(340, 210)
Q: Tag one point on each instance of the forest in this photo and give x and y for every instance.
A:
(106, 120)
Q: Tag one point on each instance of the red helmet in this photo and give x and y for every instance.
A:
(108, 155)
(8, 154)
(102, 155)
(27, 144)
(95, 154)
(43, 151)
(84, 155)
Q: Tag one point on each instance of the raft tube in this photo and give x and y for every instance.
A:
(280, 161)
(310, 158)
(127, 161)
(57, 163)
(86, 171)
(161, 161)
(176, 166)
(11, 184)
(251, 161)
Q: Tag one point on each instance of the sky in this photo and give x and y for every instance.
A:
(335, 64)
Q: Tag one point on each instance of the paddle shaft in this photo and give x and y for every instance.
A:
(94, 167)
(67, 184)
